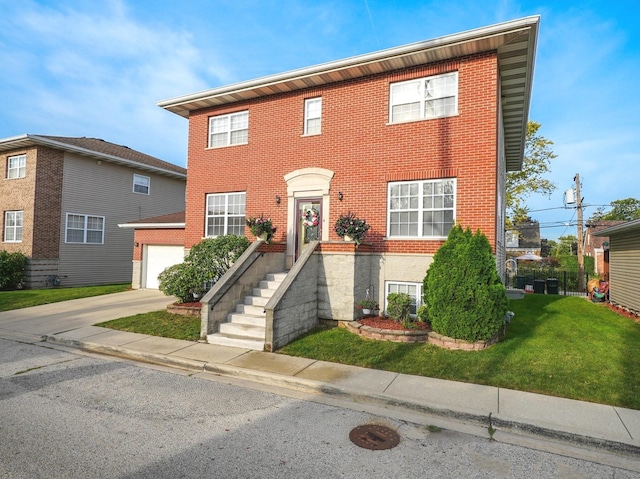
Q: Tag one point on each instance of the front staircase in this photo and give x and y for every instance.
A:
(245, 327)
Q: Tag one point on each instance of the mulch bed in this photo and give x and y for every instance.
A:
(386, 323)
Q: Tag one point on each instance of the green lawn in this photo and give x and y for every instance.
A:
(555, 345)
(35, 297)
(158, 323)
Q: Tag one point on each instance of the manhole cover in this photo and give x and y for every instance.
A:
(372, 436)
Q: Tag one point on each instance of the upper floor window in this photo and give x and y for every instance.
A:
(232, 129)
(429, 97)
(84, 229)
(17, 166)
(421, 209)
(225, 214)
(141, 184)
(312, 116)
(13, 226)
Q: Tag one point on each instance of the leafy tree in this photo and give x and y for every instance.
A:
(566, 245)
(463, 294)
(621, 210)
(204, 265)
(530, 179)
(546, 247)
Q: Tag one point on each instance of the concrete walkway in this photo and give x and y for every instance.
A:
(71, 324)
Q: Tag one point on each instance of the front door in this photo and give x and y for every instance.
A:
(308, 224)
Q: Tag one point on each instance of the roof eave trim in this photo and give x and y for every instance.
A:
(152, 226)
(467, 36)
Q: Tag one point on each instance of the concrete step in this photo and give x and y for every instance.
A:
(244, 330)
(250, 309)
(250, 319)
(236, 342)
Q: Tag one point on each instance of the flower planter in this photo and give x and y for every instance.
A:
(263, 236)
(366, 311)
(348, 238)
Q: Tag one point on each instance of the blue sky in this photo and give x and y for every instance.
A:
(97, 69)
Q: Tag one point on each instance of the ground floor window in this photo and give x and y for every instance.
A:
(414, 290)
(225, 214)
(13, 226)
(84, 229)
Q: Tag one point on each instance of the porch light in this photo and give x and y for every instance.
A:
(340, 195)
(277, 200)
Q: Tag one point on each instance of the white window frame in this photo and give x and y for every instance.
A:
(424, 98)
(13, 223)
(313, 116)
(231, 211)
(228, 130)
(403, 287)
(414, 203)
(141, 182)
(19, 170)
(88, 226)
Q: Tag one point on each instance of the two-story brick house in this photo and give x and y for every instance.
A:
(412, 139)
(62, 200)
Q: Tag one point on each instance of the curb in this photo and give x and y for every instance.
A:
(317, 387)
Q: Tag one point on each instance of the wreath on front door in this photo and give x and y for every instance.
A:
(310, 217)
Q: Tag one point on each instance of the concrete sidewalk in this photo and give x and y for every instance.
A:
(70, 324)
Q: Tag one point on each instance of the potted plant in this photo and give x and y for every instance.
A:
(351, 228)
(367, 305)
(261, 227)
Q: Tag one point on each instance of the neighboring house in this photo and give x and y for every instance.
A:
(624, 263)
(412, 139)
(523, 239)
(63, 198)
(598, 246)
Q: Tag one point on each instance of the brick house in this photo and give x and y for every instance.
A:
(62, 200)
(411, 139)
(598, 246)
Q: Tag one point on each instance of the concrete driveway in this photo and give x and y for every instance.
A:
(31, 324)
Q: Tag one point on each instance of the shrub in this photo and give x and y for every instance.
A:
(13, 267)
(203, 266)
(462, 292)
(399, 307)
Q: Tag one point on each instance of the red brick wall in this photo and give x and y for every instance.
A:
(363, 150)
(18, 195)
(168, 236)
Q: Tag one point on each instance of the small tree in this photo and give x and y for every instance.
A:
(463, 294)
(204, 265)
(13, 267)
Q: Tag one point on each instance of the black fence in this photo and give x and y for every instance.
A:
(549, 281)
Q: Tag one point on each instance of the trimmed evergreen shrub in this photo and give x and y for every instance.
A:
(462, 292)
(399, 306)
(202, 267)
(13, 267)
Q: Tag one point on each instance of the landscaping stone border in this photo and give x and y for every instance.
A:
(185, 310)
(418, 336)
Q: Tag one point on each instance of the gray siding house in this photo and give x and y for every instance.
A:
(624, 264)
(62, 200)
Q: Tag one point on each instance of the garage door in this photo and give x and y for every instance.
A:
(160, 257)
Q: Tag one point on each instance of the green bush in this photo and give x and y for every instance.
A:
(399, 307)
(203, 266)
(462, 292)
(13, 267)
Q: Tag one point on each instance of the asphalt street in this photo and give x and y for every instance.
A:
(67, 414)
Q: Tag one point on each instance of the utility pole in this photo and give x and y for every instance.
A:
(580, 243)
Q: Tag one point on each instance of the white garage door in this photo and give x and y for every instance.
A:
(160, 257)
